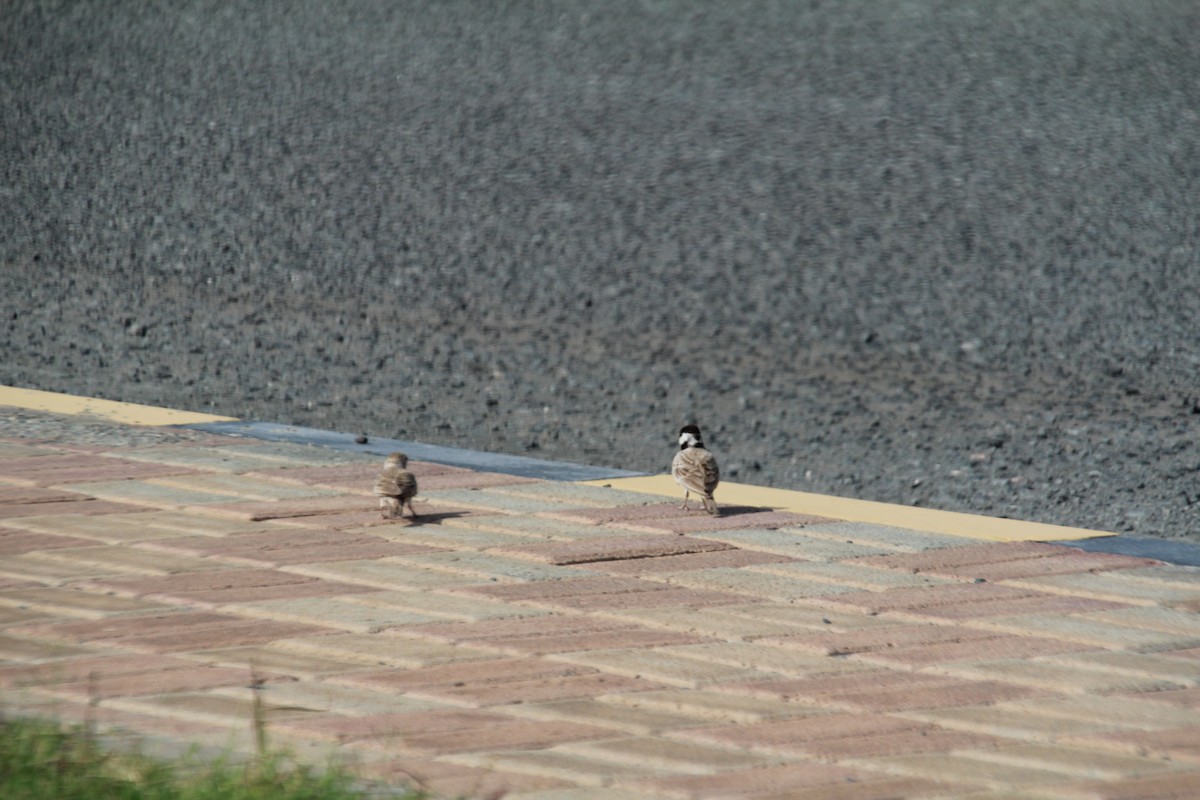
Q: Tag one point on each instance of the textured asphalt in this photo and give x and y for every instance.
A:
(558, 640)
(932, 252)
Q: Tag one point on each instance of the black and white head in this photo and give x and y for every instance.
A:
(689, 436)
(396, 460)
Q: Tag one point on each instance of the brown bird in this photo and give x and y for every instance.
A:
(695, 469)
(396, 487)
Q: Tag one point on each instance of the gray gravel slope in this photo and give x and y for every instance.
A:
(921, 252)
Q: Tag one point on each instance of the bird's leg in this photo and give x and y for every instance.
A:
(411, 510)
(685, 499)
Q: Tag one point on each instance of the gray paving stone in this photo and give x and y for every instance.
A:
(887, 537)
(753, 584)
(485, 566)
(489, 500)
(538, 526)
(796, 544)
(331, 613)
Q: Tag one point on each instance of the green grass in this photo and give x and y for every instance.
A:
(41, 760)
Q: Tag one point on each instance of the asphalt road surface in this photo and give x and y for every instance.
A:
(940, 253)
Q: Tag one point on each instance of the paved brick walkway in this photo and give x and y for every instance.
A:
(570, 641)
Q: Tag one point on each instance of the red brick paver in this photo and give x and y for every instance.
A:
(612, 549)
(633, 650)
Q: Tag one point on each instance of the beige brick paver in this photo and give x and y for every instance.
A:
(70, 469)
(444, 779)
(142, 525)
(910, 599)
(791, 733)
(1065, 678)
(508, 735)
(328, 612)
(1160, 786)
(14, 542)
(1092, 632)
(1183, 623)
(78, 668)
(339, 701)
(848, 575)
(191, 678)
(36, 567)
(1164, 575)
(154, 495)
(685, 562)
(490, 501)
(688, 758)
(896, 637)
(615, 548)
(375, 650)
(581, 770)
(539, 527)
(748, 583)
(380, 574)
(1160, 666)
(796, 543)
(1009, 723)
(622, 719)
(968, 650)
(441, 605)
(765, 658)
(537, 690)
(479, 567)
(709, 705)
(969, 553)
(249, 487)
(270, 658)
(660, 665)
(129, 560)
(86, 507)
(1114, 585)
(23, 495)
(22, 650)
(212, 459)
(738, 784)
(1177, 744)
(1074, 760)
(1115, 711)
(395, 726)
(576, 494)
(75, 602)
(209, 707)
(455, 536)
(1003, 607)
(294, 508)
(548, 591)
(963, 769)
(741, 518)
(592, 640)
(719, 622)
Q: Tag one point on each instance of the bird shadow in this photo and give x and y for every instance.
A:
(435, 518)
(735, 511)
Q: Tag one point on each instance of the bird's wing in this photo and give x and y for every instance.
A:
(387, 484)
(406, 485)
(695, 469)
(712, 473)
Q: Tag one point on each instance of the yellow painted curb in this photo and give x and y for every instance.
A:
(952, 523)
(126, 413)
